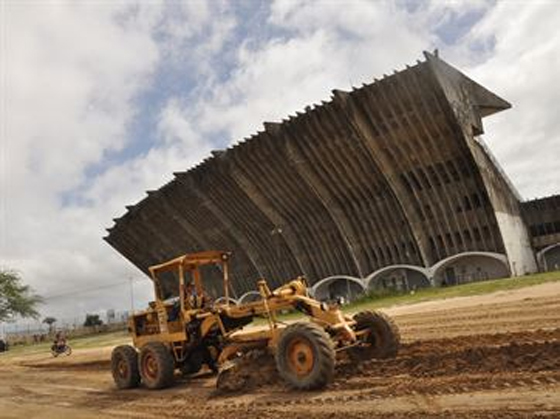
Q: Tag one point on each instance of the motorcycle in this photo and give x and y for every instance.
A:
(57, 350)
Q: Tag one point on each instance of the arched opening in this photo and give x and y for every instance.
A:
(470, 267)
(334, 287)
(249, 297)
(399, 278)
(222, 300)
(549, 258)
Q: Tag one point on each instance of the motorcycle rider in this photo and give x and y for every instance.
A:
(59, 341)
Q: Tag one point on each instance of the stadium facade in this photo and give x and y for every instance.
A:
(388, 185)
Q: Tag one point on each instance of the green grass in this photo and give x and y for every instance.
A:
(384, 300)
(102, 339)
(83, 342)
(371, 302)
(427, 294)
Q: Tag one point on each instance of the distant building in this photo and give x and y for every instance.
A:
(543, 218)
(389, 185)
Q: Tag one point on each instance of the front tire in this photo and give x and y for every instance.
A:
(156, 366)
(124, 367)
(382, 338)
(305, 356)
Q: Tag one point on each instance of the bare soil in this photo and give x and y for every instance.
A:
(471, 357)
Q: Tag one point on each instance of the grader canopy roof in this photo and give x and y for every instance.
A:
(186, 269)
(191, 260)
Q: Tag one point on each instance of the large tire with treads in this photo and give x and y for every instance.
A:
(124, 367)
(305, 357)
(156, 365)
(383, 337)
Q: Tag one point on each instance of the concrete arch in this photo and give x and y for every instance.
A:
(223, 300)
(332, 287)
(249, 297)
(469, 267)
(549, 258)
(401, 276)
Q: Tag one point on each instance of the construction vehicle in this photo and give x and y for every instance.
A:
(182, 329)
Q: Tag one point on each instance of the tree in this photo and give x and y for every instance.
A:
(16, 299)
(50, 321)
(92, 320)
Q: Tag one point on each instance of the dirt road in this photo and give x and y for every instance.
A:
(475, 357)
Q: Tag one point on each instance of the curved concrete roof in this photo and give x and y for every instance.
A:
(385, 174)
(380, 272)
(444, 262)
(326, 281)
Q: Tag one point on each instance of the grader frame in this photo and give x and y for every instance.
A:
(189, 332)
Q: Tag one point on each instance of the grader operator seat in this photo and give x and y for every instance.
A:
(193, 300)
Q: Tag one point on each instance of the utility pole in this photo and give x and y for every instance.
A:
(131, 294)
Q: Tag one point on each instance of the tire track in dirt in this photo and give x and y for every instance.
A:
(535, 318)
(437, 368)
(483, 361)
(513, 317)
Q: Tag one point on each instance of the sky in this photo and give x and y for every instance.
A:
(103, 100)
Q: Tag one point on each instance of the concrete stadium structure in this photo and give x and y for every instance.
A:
(543, 218)
(388, 185)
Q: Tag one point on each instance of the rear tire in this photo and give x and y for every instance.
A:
(124, 367)
(305, 356)
(156, 365)
(383, 337)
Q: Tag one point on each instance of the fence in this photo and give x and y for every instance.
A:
(38, 332)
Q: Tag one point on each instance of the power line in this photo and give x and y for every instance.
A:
(82, 291)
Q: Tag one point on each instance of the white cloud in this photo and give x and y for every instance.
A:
(524, 69)
(74, 75)
(71, 73)
(328, 47)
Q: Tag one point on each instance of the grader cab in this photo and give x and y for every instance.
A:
(182, 329)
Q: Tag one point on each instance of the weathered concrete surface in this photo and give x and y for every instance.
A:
(543, 218)
(389, 173)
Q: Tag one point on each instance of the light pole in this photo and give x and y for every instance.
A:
(131, 294)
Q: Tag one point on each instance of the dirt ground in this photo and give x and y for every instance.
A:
(488, 356)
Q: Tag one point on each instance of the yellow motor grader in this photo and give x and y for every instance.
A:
(182, 329)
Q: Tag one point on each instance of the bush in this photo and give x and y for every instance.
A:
(378, 293)
(93, 320)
